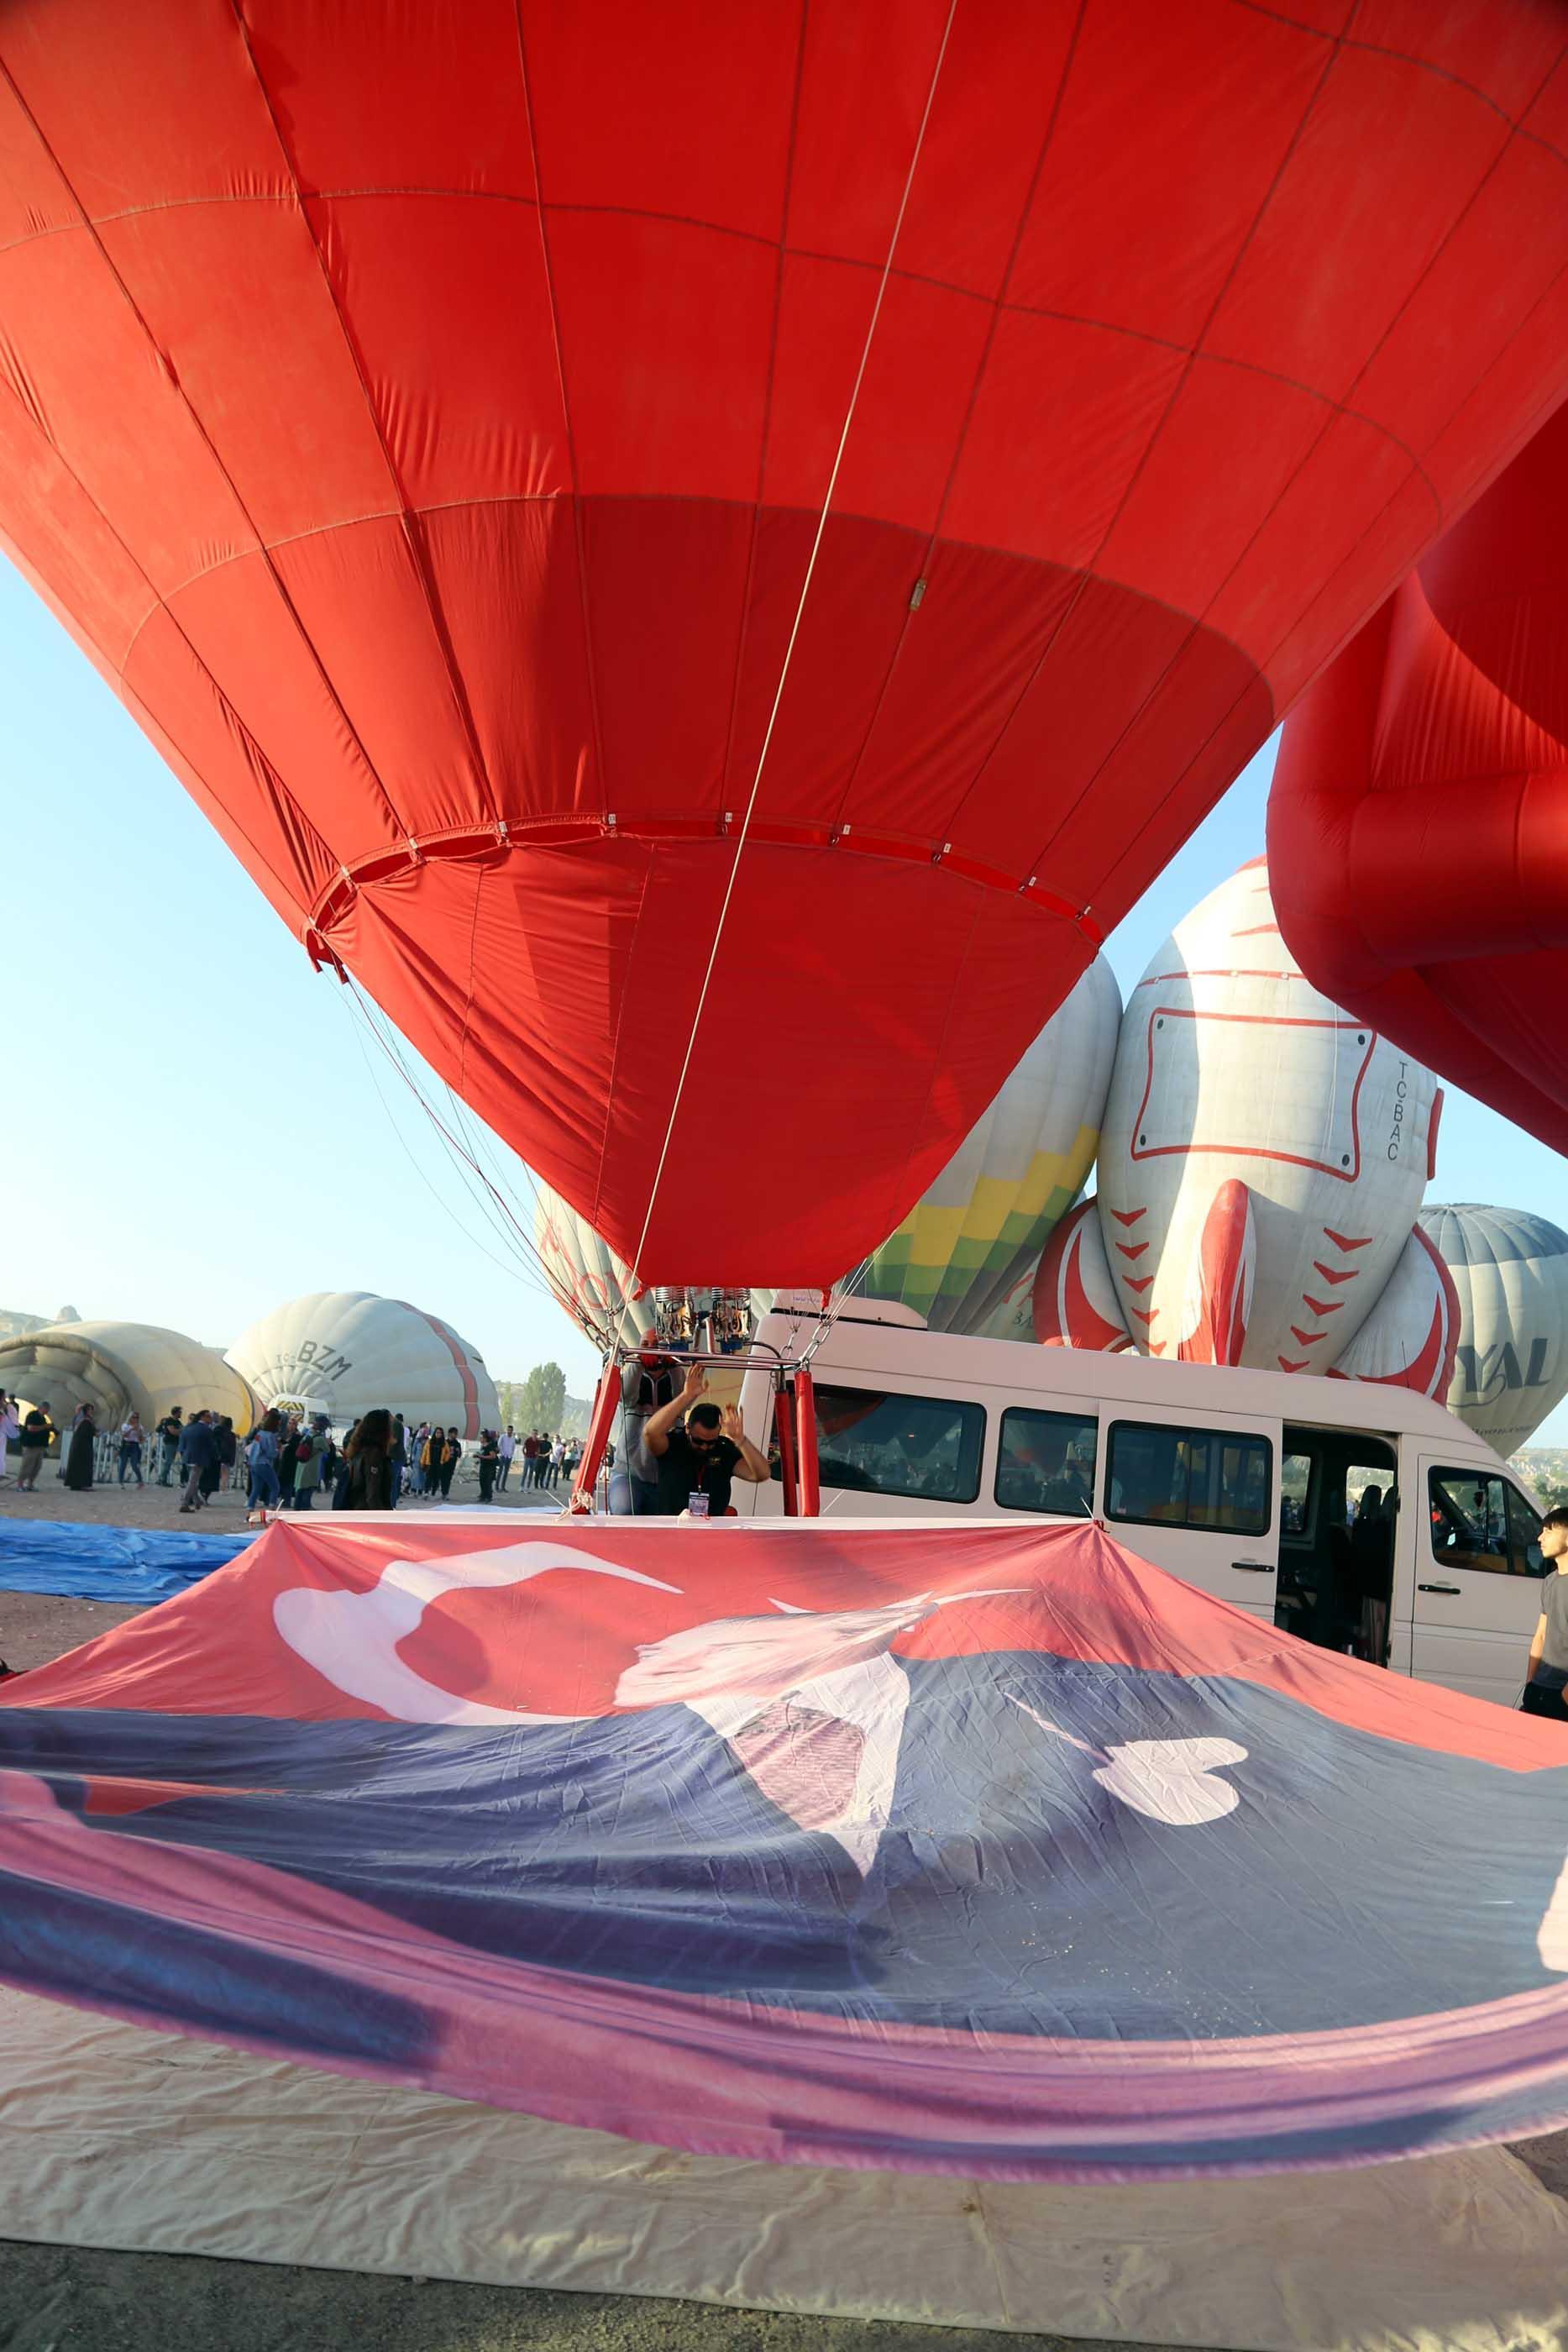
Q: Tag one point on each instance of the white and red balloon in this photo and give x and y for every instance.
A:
(1262, 1156)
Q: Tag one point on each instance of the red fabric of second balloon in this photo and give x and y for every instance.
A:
(423, 418)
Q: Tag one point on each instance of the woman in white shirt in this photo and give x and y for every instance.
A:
(10, 1427)
(133, 1436)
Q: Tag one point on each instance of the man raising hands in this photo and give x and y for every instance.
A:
(703, 1457)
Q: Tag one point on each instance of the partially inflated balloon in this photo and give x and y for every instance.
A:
(430, 418)
(1263, 1154)
(1509, 1269)
(1419, 818)
(1074, 1301)
(119, 1368)
(595, 1287)
(974, 1236)
(599, 1291)
(1410, 1339)
(345, 1352)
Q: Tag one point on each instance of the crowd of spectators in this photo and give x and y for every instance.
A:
(285, 1463)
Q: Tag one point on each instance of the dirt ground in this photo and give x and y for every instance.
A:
(69, 2299)
(156, 1505)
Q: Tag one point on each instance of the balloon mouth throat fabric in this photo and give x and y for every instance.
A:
(493, 846)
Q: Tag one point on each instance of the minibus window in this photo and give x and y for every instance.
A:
(1296, 1498)
(872, 1442)
(1045, 1463)
(1479, 1521)
(1161, 1476)
(1523, 1535)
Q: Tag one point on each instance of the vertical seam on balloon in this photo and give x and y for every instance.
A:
(649, 862)
(288, 888)
(412, 523)
(938, 1054)
(173, 380)
(353, 1007)
(590, 670)
(998, 305)
(459, 1355)
(468, 1006)
(766, 426)
(1550, 402)
(527, 1249)
(1418, 472)
(1087, 573)
(795, 629)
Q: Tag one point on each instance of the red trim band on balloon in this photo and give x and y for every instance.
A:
(482, 845)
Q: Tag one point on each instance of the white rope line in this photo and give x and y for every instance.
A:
(442, 1202)
(636, 1267)
(530, 1268)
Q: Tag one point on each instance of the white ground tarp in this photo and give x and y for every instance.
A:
(112, 2135)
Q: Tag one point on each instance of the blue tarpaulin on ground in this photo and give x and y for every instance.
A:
(90, 1563)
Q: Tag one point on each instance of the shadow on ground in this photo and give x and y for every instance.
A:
(62, 2299)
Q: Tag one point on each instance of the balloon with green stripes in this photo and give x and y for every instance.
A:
(987, 1217)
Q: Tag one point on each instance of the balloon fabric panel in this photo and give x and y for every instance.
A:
(432, 457)
(1450, 703)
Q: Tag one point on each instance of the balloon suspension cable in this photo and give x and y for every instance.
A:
(358, 1026)
(529, 1266)
(634, 1269)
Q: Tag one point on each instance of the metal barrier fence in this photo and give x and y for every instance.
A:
(154, 1454)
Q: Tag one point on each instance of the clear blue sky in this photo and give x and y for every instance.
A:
(191, 1133)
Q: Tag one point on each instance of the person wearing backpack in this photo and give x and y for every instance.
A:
(368, 1449)
(309, 1461)
(345, 1465)
(288, 1453)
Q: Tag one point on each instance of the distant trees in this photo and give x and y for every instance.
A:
(541, 1402)
(543, 1398)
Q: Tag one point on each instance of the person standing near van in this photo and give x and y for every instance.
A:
(1546, 1680)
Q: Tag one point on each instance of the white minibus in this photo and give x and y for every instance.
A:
(1362, 1517)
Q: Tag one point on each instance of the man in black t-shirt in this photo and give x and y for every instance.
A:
(171, 1429)
(703, 1457)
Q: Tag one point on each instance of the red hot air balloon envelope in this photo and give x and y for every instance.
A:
(1419, 818)
(424, 417)
(760, 1842)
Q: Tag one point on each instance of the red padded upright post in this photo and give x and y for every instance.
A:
(607, 1398)
(784, 1428)
(806, 1443)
